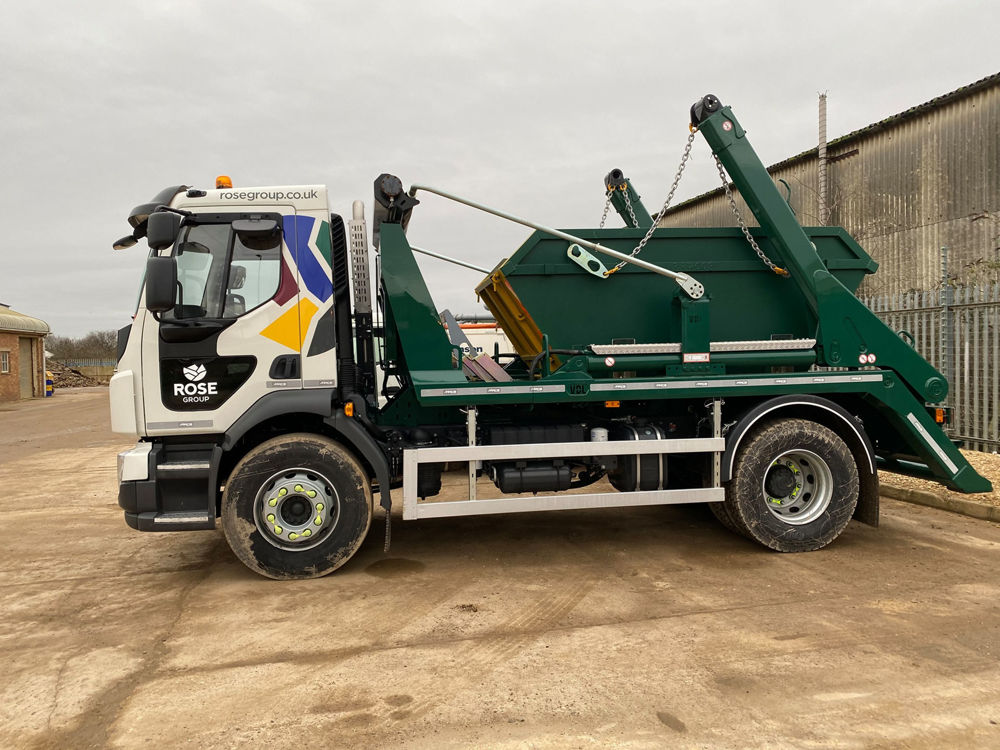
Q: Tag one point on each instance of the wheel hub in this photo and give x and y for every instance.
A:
(780, 481)
(296, 509)
(798, 487)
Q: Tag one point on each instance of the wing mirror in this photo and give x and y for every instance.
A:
(161, 282)
(162, 229)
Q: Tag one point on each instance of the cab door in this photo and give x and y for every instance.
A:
(234, 325)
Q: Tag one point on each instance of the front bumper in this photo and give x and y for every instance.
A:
(168, 488)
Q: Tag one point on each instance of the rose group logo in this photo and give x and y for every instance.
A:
(197, 390)
(195, 373)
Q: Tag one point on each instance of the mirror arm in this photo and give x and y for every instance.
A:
(180, 303)
(178, 211)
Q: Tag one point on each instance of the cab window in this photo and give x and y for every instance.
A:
(221, 273)
(254, 273)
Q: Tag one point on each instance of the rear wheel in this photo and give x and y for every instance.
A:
(794, 486)
(296, 506)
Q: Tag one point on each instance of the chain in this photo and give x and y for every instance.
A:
(743, 225)
(631, 211)
(607, 205)
(628, 204)
(666, 204)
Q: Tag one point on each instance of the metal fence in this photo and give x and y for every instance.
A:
(958, 331)
(86, 362)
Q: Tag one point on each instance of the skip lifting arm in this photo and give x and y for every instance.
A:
(846, 328)
(848, 333)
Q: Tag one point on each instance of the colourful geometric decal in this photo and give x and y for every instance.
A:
(290, 329)
(306, 311)
(323, 243)
(316, 287)
(287, 288)
(315, 277)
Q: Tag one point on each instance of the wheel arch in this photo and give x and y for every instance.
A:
(302, 411)
(828, 413)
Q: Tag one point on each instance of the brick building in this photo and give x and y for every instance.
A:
(22, 355)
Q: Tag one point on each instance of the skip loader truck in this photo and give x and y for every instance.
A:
(730, 366)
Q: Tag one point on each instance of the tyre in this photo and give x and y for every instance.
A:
(794, 486)
(721, 513)
(296, 506)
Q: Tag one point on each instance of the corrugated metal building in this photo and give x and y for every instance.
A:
(905, 186)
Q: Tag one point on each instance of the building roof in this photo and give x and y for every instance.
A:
(13, 321)
(875, 127)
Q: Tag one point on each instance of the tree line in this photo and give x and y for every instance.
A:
(95, 345)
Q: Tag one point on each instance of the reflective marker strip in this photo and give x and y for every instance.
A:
(912, 418)
(868, 377)
(491, 390)
(741, 383)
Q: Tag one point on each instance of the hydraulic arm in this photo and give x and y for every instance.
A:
(846, 329)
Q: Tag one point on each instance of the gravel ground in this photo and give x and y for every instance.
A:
(987, 464)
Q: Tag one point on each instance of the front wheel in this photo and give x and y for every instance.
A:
(794, 486)
(296, 506)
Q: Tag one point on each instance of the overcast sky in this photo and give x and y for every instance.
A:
(522, 105)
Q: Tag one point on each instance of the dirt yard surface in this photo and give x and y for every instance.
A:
(641, 628)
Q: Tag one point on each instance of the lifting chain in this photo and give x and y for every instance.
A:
(631, 211)
(656, 217)
(743, 225)
(628, 205)
(607, 205)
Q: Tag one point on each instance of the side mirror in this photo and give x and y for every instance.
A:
(161, 283)
(162, 229)
(125, 242)
(237, 277)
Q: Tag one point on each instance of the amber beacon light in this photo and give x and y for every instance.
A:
(223, 181)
